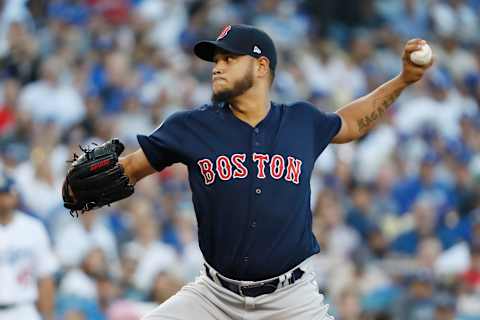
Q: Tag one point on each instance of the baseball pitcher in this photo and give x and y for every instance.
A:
(250, 161)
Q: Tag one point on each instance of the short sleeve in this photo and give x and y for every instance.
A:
(327, 125)
(45, 261)
(162, 146)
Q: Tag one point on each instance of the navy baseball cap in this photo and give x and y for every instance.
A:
(242, 40)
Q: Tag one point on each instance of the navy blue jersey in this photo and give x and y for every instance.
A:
(250, 185)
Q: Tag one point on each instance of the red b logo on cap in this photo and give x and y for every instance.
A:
(224, 32)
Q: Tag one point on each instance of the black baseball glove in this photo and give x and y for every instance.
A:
(95, 178)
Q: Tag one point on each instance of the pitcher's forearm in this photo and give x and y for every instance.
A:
(362, 114)
(136, 166)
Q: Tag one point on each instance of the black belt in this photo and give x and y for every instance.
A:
(256, 289)
(7, 306)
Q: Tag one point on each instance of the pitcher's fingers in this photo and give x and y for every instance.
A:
(417, 41)
(409, 48)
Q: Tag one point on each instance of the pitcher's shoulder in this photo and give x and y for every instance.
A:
(300, 105)
(199, 111)
(299, 108)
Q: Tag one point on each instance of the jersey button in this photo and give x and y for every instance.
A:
(258, 191)
(254, 224)
(245, 259)
(256, 130)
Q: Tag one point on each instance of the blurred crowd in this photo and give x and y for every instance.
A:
(397, 213)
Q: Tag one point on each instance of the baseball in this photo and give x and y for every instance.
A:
(422, 56)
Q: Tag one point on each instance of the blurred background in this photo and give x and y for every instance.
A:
(397, 213)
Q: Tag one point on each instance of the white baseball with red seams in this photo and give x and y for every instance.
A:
(422, 56)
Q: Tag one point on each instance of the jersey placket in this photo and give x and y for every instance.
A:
(257, 147)
(256, 189)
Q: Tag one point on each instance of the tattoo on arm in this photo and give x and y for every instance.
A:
(380, 105)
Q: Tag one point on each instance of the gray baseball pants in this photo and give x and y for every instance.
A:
(206, 299)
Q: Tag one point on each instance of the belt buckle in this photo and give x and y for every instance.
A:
(249, 286)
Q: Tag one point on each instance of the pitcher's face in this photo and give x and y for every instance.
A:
(232, 75)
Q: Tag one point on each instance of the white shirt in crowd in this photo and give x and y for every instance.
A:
(442, 115)
(25, 257)
(45, 102)
(37, 195)
(152, 259)
(71, 253)
(77, 283)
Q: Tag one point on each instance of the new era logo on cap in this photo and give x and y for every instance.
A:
(224, 32)
(257, 50)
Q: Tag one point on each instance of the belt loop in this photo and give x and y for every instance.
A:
(214, 274)
(216, 279)
(288, 278)
(281, 281)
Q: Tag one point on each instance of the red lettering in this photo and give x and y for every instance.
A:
(224, 168)
(277, 167)
(99, 164)
(240, 170)
(293, 170)
(206, 168)
(261, 158)
(234, 166)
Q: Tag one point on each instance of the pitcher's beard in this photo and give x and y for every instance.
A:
(239, 88)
